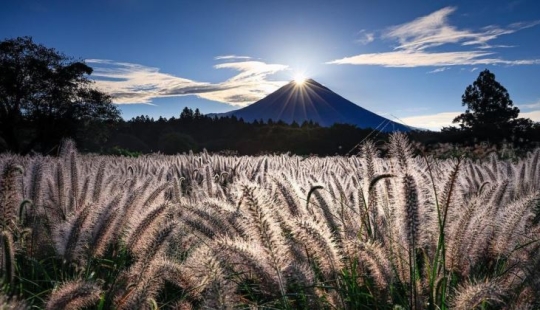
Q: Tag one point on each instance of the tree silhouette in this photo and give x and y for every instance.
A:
(490, 112)
(45, 96)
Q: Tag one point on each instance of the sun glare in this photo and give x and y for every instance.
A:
(299, 79)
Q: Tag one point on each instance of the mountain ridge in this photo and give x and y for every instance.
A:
(311, 100)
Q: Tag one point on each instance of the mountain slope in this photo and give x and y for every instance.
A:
(313, 101)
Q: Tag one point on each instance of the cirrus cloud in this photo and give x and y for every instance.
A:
(418, 39)
(130, 83)
(444, 119)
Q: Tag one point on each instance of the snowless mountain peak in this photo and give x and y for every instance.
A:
(309, 100)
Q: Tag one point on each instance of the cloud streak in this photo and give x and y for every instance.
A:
(365, 37)
(444, 119)
(130, 83)
(418, 39)
(535, 105)
(233, 57)
(433, 121)
(438, 70)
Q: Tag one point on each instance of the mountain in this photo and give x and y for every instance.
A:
(312, 101)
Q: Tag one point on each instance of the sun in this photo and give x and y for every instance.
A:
(299, 79)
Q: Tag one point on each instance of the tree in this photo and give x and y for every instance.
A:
(187, 114)
(46, 96)
(490, 112)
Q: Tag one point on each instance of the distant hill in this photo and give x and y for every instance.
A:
(312, 101)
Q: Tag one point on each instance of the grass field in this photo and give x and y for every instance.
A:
(277, 232)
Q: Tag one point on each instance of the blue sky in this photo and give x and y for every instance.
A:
(406, 60)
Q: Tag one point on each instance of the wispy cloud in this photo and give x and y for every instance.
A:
(433, 121)
(418, 39)
(233, 57)
(534, 105)
(365, 37)
(439, 70)
(444, 119)
(130, 83)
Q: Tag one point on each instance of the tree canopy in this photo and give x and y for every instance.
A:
(490, 112)
(45, 96)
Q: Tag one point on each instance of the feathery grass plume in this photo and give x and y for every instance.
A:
(448, 197)
(458, 232)
(60, 193)
(254, 173)
(160, 174)
(208, 186)
(132, 202)
(153, 241)
(23, 214)
(243, 260)
(269, 233)
(83, 195)
(200, 275)
(369, 153)
(143, 223)
(376, 259)
(510, 174)
(98, 183)
(220, 294)
(477, 296)
(438, 261)
(105, 227)
(474, 182)
(347, 216)
(494, 163)
(67, 146)
(401, 150)
(371, 218)
(514, 223)
(411, 230)
(207, 222)
(311, 191)
(287, 194)
(144, 287)
(74, 175)
(491, 169)
(339, 191)
(478, 174)
(73, 295)
(176, 189)
(181, 277)
(70, 236)
(155, 194)
(520, 178)
(307, 292)
(8, 258)
(473, 250)
(319, 245)
(324, 205)
(411, 220)
(36, 182)
(534, 176)
(498, 197)
(10, 195)
(12, 303)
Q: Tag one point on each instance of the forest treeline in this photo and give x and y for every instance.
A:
(192, 130)
(230, 135)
